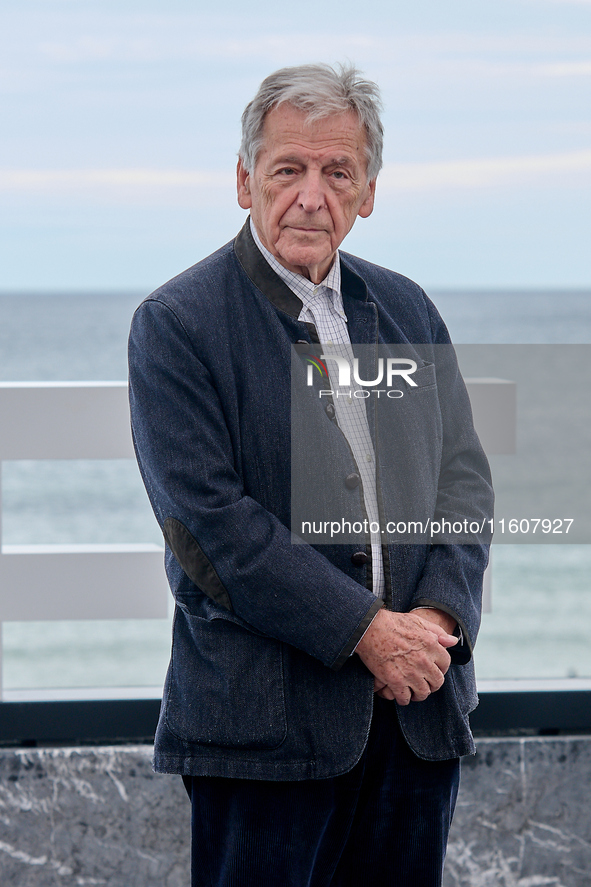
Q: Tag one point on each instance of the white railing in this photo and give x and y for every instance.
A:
(90, 420)
(73, 420)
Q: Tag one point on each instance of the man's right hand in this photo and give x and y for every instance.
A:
(406, 654)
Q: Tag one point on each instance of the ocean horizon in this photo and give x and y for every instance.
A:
(541, 609)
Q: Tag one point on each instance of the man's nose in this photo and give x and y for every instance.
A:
(311, 197)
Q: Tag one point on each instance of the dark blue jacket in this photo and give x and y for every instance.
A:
(261, 682)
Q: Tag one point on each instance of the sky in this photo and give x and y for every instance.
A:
(120, 123)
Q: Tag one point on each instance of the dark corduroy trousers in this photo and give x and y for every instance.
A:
(385, 822)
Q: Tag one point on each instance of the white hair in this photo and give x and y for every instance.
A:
(320, 90)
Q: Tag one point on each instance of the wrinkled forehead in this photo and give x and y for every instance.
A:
(286, 128)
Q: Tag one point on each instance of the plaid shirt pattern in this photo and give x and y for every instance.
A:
(323, 306)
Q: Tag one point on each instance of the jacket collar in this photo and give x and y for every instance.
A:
(270, 284)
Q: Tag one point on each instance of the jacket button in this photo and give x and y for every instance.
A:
(359, 558)
(352, 481)
(330, 410)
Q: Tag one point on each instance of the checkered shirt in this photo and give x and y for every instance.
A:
(323, 306)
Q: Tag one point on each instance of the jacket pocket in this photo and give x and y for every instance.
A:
(225, 685)
(425, 377)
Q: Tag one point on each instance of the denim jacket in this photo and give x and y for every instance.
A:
(261, 682)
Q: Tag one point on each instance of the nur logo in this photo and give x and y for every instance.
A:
(315, 363)
(394, 366)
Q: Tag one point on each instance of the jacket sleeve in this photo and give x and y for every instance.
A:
(452, 578)
(452, 582)
(235, 551)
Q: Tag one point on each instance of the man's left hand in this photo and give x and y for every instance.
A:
(443, 620)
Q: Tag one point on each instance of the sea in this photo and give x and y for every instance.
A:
(539, 622)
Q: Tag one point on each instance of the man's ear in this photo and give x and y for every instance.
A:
(243, 186)
(366, 207)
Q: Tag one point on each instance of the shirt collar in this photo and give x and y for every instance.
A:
(308, 292)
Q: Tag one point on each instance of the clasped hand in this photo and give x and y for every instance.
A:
(407, 654)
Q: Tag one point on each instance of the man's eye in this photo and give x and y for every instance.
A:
(339, 174)
(287, 171)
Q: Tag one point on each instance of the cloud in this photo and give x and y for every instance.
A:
(483, 173)
(149, 38)
(564, 69)
(177, 185)
(182, 39)
(61, 180)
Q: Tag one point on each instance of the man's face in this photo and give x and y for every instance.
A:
(308, 187)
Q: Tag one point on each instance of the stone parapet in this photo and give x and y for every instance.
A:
(71, 817)
(523, 817)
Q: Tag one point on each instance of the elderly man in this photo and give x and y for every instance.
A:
(317, 698)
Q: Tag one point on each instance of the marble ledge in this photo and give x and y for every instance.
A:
(99, 816)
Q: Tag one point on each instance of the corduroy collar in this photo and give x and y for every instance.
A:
(270, 284)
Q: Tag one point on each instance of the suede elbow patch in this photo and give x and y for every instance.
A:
(195, 562)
